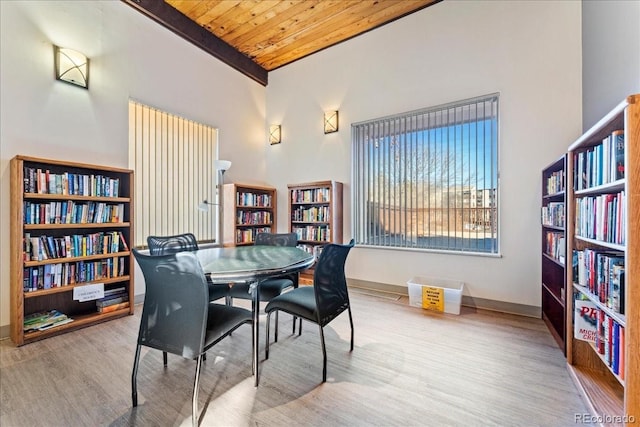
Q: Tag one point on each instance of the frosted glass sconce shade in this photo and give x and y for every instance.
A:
(275, 134)
(71, 66)
(330, 121)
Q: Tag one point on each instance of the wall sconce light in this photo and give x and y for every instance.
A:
(71, 66)
(275, 134)
(330, 121)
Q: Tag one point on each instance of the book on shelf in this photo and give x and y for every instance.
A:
(600, 164)
(112, 298)
(585, 320)
(113, 307)
(599, 271)
(36, 180)
(44, 320)
(555, 183)
(618, 144)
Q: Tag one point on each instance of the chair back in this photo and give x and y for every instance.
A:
(276, 239)
(175, 310)
(165, 245)
(330, 283)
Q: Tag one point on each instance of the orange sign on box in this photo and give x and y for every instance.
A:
(433, 298)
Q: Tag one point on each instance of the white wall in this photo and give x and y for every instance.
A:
(131, 57)
(611, 56)
(529, 52)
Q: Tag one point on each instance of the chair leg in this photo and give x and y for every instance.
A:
(266, 347)
(351, 322)
(194, 404)
(324, 356)
(134, 374)
(275, 335)
(294, 325)
(300, 326)
(164, 358)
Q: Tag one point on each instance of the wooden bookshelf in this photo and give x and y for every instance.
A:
(248, 210)
(553, 258)
(614, 398)
(315, 215)
(54, 254)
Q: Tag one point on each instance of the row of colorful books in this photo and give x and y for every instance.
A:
(320, 233)
(554, 214)
(311, 214)
(43, 320)
(69, 273)
(316, 250)
(253, 217)
(602, 218)
(555, 183)
(602, 274)
(605, 333)
(253, 199)
(41, 181)
(249, 234)
(70, 212)
(555, 245)
(601, 164)
(43, 247)
(314, 195)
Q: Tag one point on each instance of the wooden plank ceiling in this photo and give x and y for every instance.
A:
(272, 33)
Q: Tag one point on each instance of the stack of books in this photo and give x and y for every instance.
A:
(44, 320)
(114, 299)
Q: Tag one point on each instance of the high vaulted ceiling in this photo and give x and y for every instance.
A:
(257, 36)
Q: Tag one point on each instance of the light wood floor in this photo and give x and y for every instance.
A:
(409, 368)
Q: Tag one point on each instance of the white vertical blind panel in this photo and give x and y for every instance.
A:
(173, 159)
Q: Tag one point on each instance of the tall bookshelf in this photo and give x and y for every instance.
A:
(603, 224)
(554, 249)
(71, 224)
(315, 215)
(247, 211)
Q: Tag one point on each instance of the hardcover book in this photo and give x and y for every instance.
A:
(585, 320)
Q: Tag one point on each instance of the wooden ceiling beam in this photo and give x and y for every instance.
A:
(181, 25)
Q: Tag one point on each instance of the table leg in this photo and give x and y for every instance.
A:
(255, 307)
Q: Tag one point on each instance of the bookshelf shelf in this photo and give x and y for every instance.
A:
(603, 169)
(315, 215)
(69, 288)
(79, 321)
(45, 266)
(248, 210)
(554, 249)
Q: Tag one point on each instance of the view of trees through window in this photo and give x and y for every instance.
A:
(428, 179)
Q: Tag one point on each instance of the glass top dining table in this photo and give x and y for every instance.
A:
(252, 264)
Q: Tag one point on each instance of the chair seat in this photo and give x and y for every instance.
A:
(299, 302)
(269, 289)
(223, 319)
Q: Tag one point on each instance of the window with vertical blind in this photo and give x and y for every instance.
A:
(428, 179)
(173, 159)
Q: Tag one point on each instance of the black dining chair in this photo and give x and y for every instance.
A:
(165, 245)
(322, 302)
(186, 242)
(177, 316)
(273, 286)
